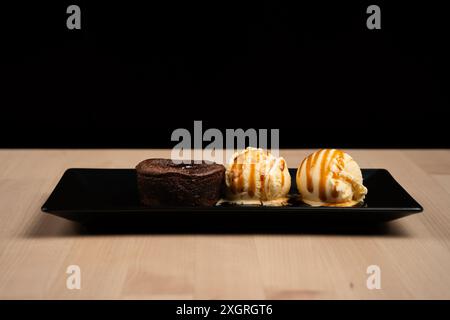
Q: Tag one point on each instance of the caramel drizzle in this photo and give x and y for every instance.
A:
(310, 163)
(324, 170)
(240, 184)
(252, 160)
(272, 162)
(339, 156)
(309, 184)
(237, 173)
(251, 178)
(237, 177)
(262, 188)
(325, 167)
(334, 192)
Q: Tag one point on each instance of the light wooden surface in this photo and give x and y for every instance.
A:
(35, 249)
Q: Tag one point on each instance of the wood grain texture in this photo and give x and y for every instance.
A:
(36, 249)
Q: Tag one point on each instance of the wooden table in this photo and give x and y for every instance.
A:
(36, 249)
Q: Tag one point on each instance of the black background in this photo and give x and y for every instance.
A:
(138, 70)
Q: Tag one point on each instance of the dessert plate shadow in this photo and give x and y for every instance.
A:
(110, 197)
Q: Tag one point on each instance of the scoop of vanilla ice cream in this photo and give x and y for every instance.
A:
(330, 177)
(255, 176)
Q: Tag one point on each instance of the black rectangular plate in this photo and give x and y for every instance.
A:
(109, 196)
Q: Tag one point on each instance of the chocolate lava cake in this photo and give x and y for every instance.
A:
(163, 182)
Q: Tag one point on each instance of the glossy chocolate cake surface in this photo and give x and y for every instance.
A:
(164, 182)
